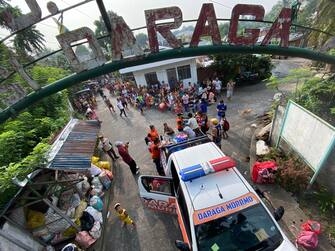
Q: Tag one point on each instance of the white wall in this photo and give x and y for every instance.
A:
(162, 75)
(309, 135)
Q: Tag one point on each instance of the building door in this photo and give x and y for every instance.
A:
(172, 78)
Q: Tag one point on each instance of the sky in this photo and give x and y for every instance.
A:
(131, 10)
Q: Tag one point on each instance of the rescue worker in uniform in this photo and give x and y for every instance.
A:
(216, 132)
(152, 135)
(156, 156)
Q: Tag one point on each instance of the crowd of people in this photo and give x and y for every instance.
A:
(184, 98)
(189, 102)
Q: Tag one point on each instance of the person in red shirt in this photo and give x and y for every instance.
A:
(154, 149)
(123, 152)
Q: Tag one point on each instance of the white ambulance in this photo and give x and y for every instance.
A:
(217, 209)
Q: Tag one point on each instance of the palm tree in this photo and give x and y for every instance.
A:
(25, 41)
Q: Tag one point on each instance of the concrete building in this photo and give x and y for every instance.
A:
(170, 71)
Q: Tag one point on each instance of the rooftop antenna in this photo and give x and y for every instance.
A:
(220, 194)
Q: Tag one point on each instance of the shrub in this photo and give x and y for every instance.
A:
(326, 200)
(293, 175)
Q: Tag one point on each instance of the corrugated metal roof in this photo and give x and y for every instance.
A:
(74, 147)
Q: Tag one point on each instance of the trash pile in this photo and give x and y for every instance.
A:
(81, 203)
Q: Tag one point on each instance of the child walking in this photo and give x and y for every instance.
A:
(123, 215)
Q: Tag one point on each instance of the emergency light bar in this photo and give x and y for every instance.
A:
(212, 166)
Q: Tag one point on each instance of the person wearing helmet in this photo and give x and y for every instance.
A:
(216, 132)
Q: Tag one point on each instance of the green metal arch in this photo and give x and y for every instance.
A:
(150, 58)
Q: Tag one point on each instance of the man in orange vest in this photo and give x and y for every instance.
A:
(154, 149)
(180, 122)
(152, 135)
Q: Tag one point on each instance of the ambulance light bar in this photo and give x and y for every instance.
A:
(212, 166)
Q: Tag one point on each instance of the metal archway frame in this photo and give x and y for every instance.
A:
(150, 58)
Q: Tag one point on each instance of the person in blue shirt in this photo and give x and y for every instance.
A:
(203, 105)
(221, 109)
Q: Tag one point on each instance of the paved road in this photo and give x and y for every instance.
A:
(157, 231)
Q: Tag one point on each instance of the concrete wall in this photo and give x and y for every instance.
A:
(162, 75)
(17, 236)
(326, 176)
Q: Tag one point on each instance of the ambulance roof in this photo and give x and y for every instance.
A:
(204, 191)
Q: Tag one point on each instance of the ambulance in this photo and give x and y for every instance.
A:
(217, 208)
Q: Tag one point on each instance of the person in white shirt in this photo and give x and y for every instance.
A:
(121, 107)
(185, 99)
(108, 147)
(218, 85)
(193, 123)
(190, 133)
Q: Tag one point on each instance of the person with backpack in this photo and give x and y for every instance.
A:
(224, 126)
(216, 132)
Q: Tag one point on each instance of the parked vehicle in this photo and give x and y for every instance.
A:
(217, 208)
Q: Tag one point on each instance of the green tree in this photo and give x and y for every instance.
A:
(27, 41)
(323, 20)
(142, 40)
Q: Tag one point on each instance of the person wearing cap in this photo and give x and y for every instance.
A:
(124, 153)
(123, 215)
(108, 147)
(216, 132)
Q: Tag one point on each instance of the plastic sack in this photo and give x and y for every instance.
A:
(55, 223)
(307, 239)
(106, 182)
(80, 209)
(104, 165)
(75, 200)
(84, 239)
(83, 186)
(97, 203)
(71, 231)
(95, 232)
(35, 219)
(96, 182)
(95, 213)
(95, 160)
(40, 231)
(312, 226)
(109, 174)
(86, 221)
(64, 200)
(95, 170)
(264, 172)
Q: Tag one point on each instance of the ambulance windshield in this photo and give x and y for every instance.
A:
(250, 229)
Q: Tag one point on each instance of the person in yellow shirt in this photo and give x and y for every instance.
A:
(123, 215)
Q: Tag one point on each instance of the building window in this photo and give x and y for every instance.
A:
(151, 78)
(184, 72)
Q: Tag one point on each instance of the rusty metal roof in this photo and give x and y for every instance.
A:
(75, 146)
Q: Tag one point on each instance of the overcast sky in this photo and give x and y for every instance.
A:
(131, 10)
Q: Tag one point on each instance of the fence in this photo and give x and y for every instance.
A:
(312, 138)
